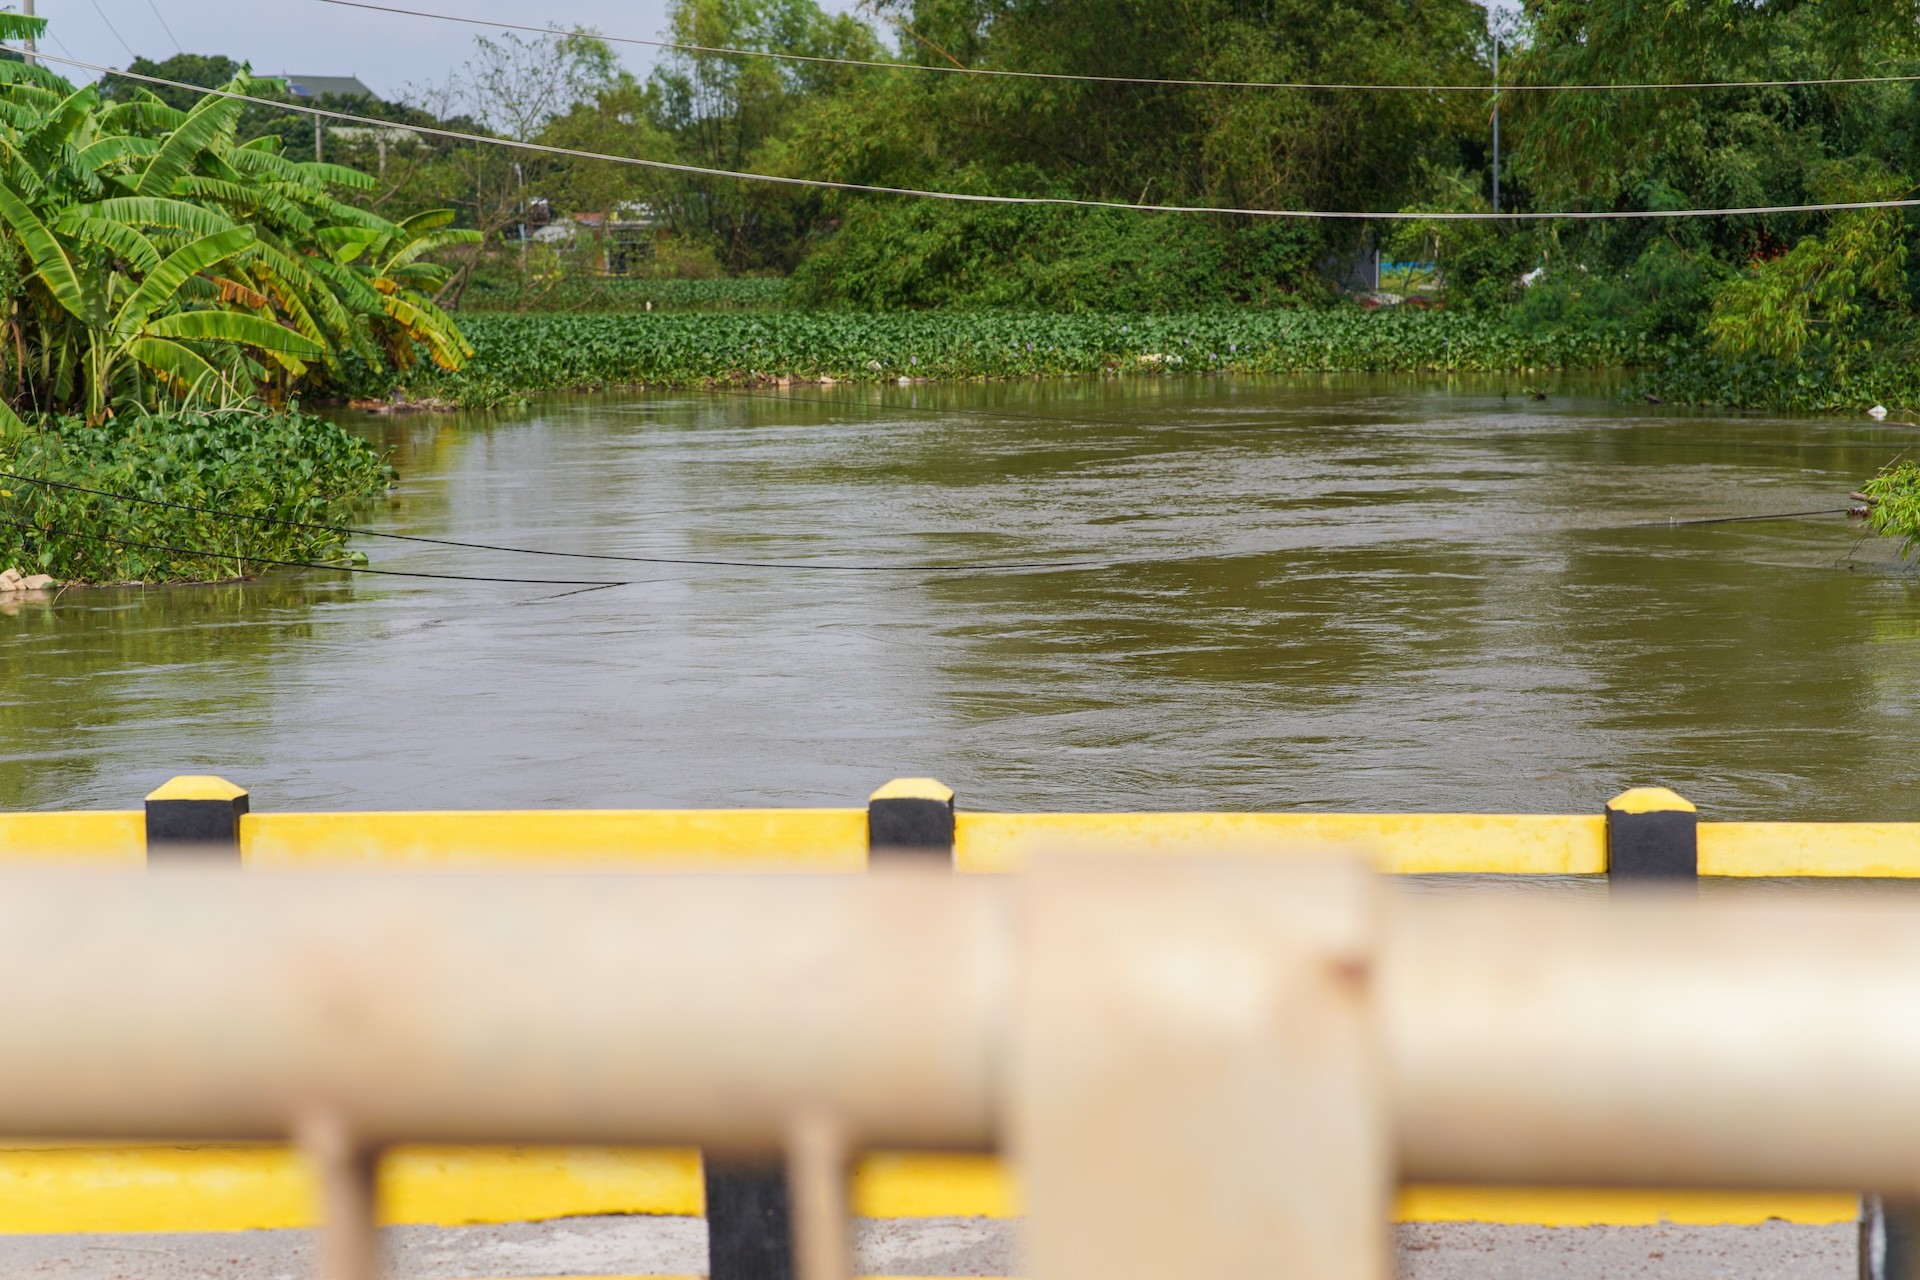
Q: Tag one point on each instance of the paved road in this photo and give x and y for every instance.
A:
(629, 1246)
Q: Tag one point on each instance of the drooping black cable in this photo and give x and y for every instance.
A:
(201, 554)
(1778, 515)
(352, 531)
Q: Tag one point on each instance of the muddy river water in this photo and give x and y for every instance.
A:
(1344, 594)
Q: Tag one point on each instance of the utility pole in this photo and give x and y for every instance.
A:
(1496, 122)
(26, 10)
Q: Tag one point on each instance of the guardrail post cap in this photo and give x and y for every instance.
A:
(1650, 800)
(914, 789)
(200, 786)
(911, 815)
(195, 814)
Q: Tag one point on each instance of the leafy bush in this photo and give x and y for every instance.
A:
(1664, 294)
(1895, 512)
(910, 254)
(534, 352)
(283, 464)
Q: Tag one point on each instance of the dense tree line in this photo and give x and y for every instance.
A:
(1773, 286)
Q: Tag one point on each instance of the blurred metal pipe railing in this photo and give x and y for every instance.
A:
(1209, 1066)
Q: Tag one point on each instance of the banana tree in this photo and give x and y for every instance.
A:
(146, 252)
(142, 323)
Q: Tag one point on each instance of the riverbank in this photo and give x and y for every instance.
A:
(182, 495)
(521, 353)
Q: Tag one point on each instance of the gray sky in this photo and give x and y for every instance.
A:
(307, 37)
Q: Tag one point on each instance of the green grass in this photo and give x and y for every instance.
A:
(258, 462)
(532, 352)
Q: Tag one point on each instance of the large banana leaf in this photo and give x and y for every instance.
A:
(237, 327)
(210, 120)
(51, 265)
(123, 240)
(21, 75)
(427, 324)
(153, 211)
(182, 368)
(165, 280)
(428, 243)
(112, 149)
(256, 199)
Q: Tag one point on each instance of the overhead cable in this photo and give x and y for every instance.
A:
(1778, 515)
(244, 560)
(965, 197)
(116, 31)
(164, 26)
(350, 531)
(725, 52)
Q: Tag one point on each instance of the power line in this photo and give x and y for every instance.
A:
(244, 560)
(725, 52)
(350, 531)
(1778, 515)
(116, 31)
(825, 184)
(155, 6)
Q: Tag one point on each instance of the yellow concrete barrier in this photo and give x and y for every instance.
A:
(1406, 843)
(1748, 849)
(745, 839)
(99, 1188)
(109, 838)
(96, 1188)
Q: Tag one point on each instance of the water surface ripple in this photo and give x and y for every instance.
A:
(1350, 594)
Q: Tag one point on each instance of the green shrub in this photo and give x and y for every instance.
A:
(282, 464)
(1665, 294)
(1895, 512)
(914, 254)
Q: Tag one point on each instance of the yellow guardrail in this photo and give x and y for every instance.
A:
(97, 1188)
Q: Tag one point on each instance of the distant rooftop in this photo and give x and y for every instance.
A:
(324, 86)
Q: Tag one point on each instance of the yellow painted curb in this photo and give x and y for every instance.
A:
(1402, 843)
(1620, 1207)
(117, 838)
(703, 839)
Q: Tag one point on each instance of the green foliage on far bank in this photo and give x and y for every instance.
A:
(1050, 258)
(283, 464)
(554, 352)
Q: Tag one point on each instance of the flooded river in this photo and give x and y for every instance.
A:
(1353, 594)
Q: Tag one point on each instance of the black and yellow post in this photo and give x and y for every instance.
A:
(195, 817)
(1653, 838)
(749, 1217)
(749, 1227)
(912, 817)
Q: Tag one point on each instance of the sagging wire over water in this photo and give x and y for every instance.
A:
(1778, 515)
(346, 530)
(243, 560)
